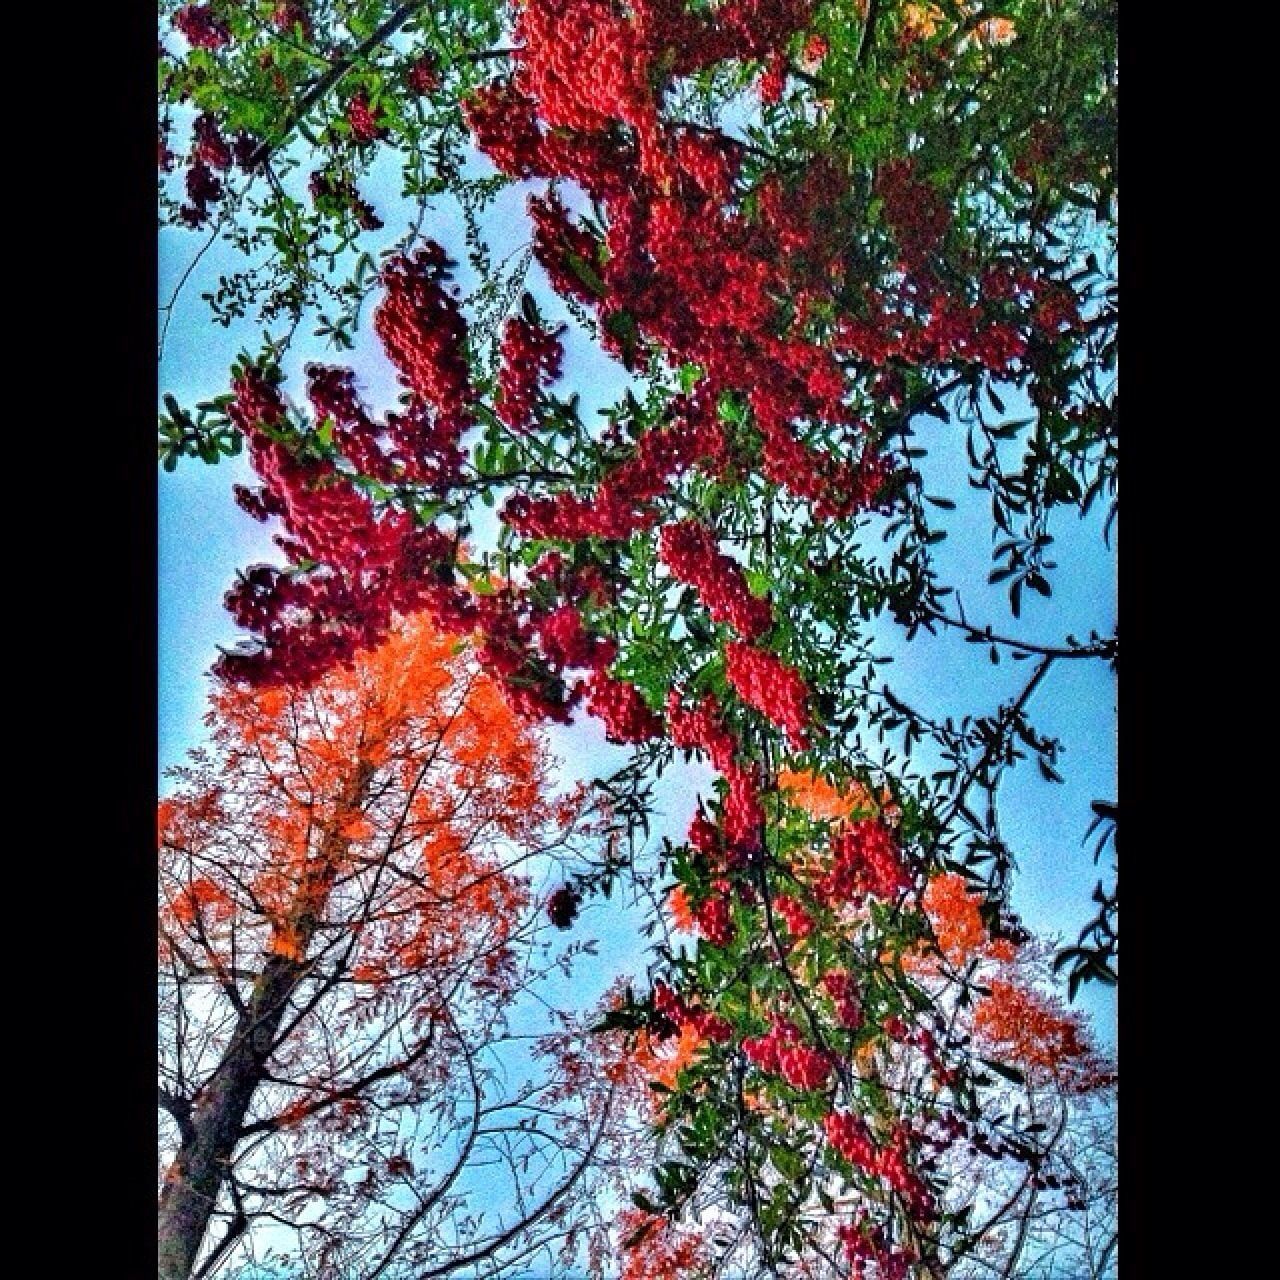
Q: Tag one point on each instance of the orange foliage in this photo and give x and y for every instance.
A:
(995, 31)
(201, 900)
(1016, 1023)
(663, 1060)
(820, 799)
(681, 912)
(663, 1252)
(953, 912)
(920, 21)
(410, 756)
(1035, 1032)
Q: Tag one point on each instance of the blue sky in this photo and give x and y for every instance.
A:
(204, 538)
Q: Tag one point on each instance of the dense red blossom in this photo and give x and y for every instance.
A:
(866, 859)
(843, 990)
(893, 1165)
(701, 729)
(424, 333)
(714, 918)
(423, 75)
(702, 281)
(210, 147)
(743, 813)
(369, 564)
(849, 1135)
(622, 708)
(914, 209)
(531, 359)
(623, 502)
(773, 80)
(364, 123)
(567, 643)
(793, 912)
(689, 550)
(782, 1051)
(773, 688)
(202, 27)
(504, 123)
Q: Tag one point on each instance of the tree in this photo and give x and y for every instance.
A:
(913, 220)
(347, 922)
(1029, 1172)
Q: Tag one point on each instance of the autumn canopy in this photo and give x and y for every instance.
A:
(846, 266)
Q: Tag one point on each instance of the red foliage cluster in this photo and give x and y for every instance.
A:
(202, 27)
(782, 1051)
(865, 1243)
(773, 688)
(292, 15)
(567, 643)
(204, 188)
(701, 729)
(866, 860)
(674, 1010)
(677, 268)
(209, 146)
(531, 359)
(689, 550)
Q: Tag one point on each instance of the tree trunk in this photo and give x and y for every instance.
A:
(195, 1177)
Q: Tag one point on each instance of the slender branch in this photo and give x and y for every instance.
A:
(505, 1238)
(868, 32)
(320, 87)
(167, 309)
(1107, 648)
